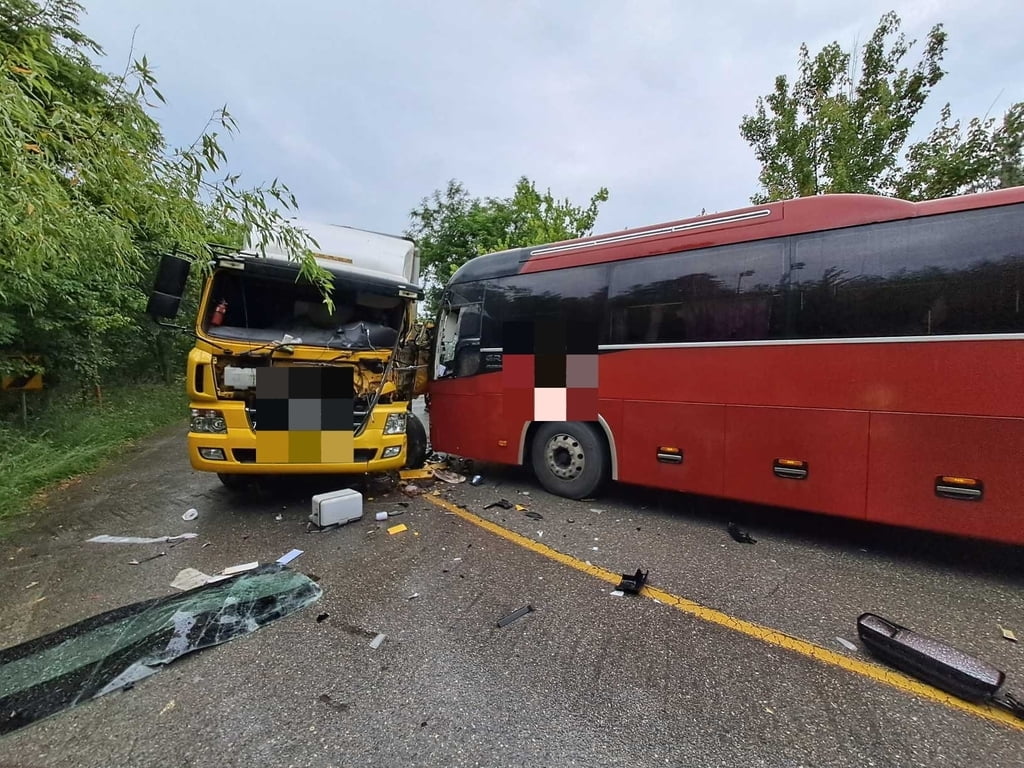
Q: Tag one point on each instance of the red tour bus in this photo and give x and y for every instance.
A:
(850, 355)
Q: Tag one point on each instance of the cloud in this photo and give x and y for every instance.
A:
(363, 109)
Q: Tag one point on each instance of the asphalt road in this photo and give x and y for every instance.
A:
(587, 679)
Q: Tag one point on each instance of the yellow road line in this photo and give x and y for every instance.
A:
(764, 634)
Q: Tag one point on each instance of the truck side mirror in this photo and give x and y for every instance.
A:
(168, 287)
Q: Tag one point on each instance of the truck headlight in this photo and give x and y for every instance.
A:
(395, 425)
(210, 422)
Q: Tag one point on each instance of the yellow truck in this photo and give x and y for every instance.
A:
(278, 383)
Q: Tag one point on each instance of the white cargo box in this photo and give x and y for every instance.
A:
(336, 508)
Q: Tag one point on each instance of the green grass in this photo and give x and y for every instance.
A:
(72, 439)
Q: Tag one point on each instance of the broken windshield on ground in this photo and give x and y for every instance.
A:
(253, 307)
(115, 649)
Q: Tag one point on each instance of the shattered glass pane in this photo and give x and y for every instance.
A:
(116, 649)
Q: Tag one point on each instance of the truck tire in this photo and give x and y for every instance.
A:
(415, 442)
(234, 483)
(570, 459)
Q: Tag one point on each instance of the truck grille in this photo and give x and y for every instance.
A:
(359, 415)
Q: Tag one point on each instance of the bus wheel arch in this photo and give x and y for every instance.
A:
(570, 459)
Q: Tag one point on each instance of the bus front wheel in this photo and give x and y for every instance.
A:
(415, 442)
(570, 459)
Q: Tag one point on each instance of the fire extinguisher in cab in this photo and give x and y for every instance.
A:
(218, 313)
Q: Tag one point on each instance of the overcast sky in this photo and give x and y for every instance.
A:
(364, 108)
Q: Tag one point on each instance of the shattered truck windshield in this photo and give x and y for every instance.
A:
(252, 307)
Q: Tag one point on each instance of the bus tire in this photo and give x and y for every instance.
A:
(570, 459)
(415, 442)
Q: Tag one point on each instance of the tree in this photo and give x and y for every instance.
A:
(93, 195)
(451, 227)
(954, 160)
(841, 127)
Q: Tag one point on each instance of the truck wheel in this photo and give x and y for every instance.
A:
(570, 459)
(236, 483)
(415, 442)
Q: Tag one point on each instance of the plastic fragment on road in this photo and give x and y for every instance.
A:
(617, 593)
(515, 615)
(190, 578)
(412, 490)
(115, 650)
(449, 477)
(1007, 633)
(520, 508)
(397, 529)
(633, 582)
(476, 480)
(190, 514)
(739, 535)
(501, 504)
(287, 557)
(104, 539)
(380, 516)
(375, 643)
(233, 569)
(846, 644)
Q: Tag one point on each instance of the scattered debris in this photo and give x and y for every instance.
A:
(167, 707)
(846, 643)
(147, 635)
(32, 584)
(375, 643)
(520, 508)
(104, 539)
(321, 618)
(617, 593)
(413, 596)
(336, 508)
(515, 615)
(287, 557)
(396, 512)
(1007, 633)
(633, 583)
(338, 706)
(205, 545)
(412, 490)
(449, 477)
(380, 516)
(416, 474)
(476, 480)
(500, 503)
(146, 559)
(232, 570)
(190, 578)
(398, 528)
(534, 515)
(279, 517)
(740, 535)
(190, 514)
(596, 510)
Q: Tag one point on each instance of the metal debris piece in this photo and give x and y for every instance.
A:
(1007, 633)
(534, 515)
(32, 584)
(476, 480)
(396, 512)
(501, 503)
(846, 644)
(633, 583)
(515, 615)
(413, 596)
(375, 643)
(398, 528)
(146, 559)
(740, 535)
(287, 557)
(190, 514)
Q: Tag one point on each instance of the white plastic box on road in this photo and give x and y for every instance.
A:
(336, 507)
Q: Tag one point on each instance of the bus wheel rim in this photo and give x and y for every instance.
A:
(564, 456)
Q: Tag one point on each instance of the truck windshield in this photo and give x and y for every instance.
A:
(258, 308)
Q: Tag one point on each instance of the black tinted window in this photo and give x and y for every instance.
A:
(956, 273)
(729, 293)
